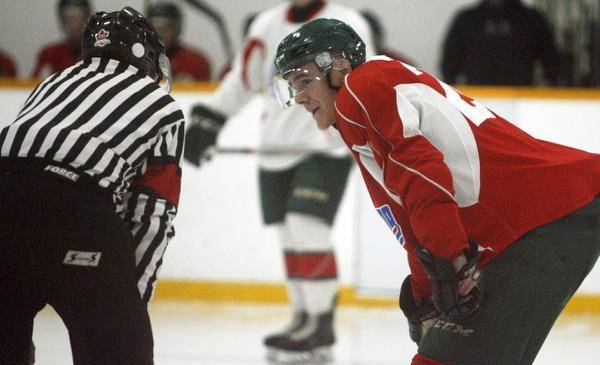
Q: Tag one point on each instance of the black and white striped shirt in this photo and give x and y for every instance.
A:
(108, 121)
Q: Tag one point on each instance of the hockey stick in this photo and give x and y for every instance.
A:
(216, 17)
(292, 150)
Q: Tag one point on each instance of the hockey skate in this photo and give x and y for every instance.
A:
(298, 322)
(308, 341)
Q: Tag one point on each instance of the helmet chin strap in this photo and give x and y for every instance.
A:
(328, 78)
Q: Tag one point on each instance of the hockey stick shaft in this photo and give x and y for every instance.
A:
(218, 20)
(292, 150)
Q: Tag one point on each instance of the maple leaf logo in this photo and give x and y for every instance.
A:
(102, 38)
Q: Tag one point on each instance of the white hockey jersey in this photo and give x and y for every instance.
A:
(253, 72)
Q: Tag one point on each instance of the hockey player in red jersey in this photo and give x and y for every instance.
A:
(186, 63)
(471, 197)
(55, 57)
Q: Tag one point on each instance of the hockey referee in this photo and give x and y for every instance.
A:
(89, 181)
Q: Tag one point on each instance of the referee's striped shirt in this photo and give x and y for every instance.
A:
(107, 121)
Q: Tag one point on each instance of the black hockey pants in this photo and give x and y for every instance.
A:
(65, 246)
(526, 288)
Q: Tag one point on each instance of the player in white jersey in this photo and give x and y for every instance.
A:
(299, 189)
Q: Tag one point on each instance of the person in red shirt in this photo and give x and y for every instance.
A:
(186, 63)
(57, 56)
(7, 66)
(470, 196)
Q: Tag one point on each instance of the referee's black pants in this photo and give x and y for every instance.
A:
(64, 246)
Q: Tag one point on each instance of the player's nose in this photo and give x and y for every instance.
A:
(301, 98)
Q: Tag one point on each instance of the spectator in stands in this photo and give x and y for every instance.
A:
(7, 66)
(499, 42)
(186, 63)
(57, 56)
(379, 38)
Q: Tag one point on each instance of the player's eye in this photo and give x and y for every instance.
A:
(303, 83)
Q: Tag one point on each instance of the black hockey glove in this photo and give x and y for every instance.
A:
(421, 314)
(201, 135)
(457, 288)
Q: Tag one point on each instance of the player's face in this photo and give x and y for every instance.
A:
(314, 94)
(73, 20)
(167, 29)
(302, 3)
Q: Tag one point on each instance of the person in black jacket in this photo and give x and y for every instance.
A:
(499, 42)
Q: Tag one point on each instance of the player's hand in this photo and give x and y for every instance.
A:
(421, 313)
(457, 288)
(201, 135)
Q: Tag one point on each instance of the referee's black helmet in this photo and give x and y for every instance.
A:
(127, 36)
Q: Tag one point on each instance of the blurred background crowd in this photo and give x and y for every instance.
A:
(472, 42)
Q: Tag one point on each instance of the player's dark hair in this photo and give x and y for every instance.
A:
(165, 9)
(62, 4)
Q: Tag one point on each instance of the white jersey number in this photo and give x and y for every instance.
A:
(472, 109)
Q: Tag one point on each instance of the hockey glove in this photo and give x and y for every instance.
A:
(201, 135)
(457, 288)
(421, 314)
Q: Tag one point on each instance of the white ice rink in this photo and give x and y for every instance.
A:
(231, 334)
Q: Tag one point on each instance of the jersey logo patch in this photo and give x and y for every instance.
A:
(82, 258)
(62, 172)
(386, 213)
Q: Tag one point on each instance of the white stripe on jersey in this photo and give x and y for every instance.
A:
(449, 132)
(367, 159)
(64, 82)
(41, 124)
(107, 120)
(66, 122)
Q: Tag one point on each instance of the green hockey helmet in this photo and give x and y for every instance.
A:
(318, 41)
(309, 42)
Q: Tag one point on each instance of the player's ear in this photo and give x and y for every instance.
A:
(342, 65)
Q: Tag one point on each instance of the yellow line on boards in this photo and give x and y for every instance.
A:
(178, 86)
(276, 293)
(530, 93)
(492, 92)
(251, 292)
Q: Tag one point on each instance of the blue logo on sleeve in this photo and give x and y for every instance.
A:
(386, 213)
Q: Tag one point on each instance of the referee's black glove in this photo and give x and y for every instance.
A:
(201, 135)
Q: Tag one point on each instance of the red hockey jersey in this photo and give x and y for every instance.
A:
(188, 64)
(54, 58)
(443, 169)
